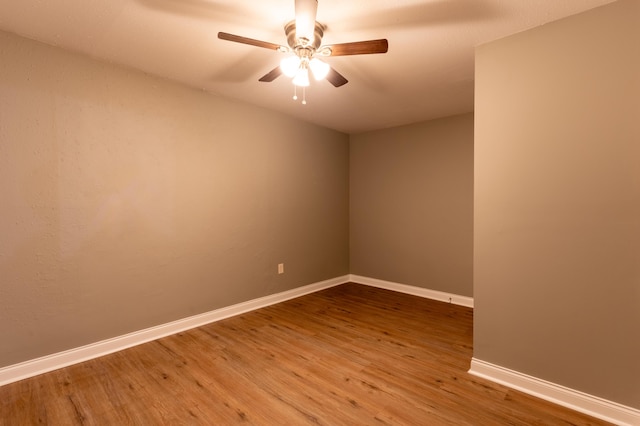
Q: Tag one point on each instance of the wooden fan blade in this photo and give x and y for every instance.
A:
(306, 11)
(360, 47)
(335, 78)
(246, 40)
(271, 75)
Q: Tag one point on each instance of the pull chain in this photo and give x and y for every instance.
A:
(304, 94)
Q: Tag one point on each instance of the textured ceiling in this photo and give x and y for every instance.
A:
(427, 73)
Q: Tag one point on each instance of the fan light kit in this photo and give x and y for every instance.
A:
(304, 38)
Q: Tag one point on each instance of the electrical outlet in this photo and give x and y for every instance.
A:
(281, 268)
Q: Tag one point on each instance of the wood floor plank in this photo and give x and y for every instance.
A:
(349, 355)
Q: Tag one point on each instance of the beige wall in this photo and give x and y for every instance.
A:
(128, 201)
(412, 204)
(557, 203)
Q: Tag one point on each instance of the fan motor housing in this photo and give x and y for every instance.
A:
(295, 43)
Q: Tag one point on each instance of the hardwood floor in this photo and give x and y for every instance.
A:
(348, 355)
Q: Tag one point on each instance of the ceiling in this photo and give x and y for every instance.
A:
(427, 73)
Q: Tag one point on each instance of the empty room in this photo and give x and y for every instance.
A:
(420, 212)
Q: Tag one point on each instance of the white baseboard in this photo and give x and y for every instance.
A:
(576, 400)
(415, 291)
(31, 368)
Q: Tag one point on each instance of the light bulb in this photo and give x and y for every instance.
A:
(318, 68)
(290, 65)
(302, 77)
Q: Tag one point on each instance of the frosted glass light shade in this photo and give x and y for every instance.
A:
(318, 68)
(302, 78)
(290, 65)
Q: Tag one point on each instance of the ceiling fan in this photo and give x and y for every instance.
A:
(304, 39)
